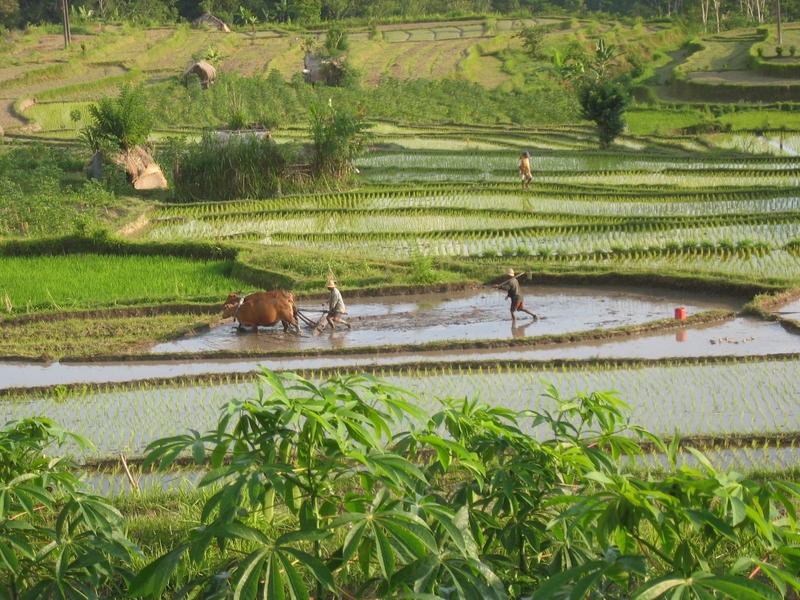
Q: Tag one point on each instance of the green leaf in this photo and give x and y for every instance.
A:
(740, 588)
(248, 574)
(384, 553)
(704, 517)
(414, 571)
(297, 589)
(318, 569)
(352, 540)
(152, 580)
(302, 535)
(658, 587)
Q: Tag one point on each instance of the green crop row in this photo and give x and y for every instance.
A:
(749, 396)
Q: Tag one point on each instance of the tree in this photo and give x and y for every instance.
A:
(307, 11)
(9, 13)
(123, 122)
(604, 101)
(533, 40)
(247, 17)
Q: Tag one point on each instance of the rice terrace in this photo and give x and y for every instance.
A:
(336, 299)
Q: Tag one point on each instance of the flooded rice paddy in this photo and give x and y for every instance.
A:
(746, 398)
(476, 314)
(742, 336)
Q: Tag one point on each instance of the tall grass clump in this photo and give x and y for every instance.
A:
(223, 169)
(339, 136)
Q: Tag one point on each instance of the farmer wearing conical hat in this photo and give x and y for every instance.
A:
(336, 307)
(525, 169)
(512, 286)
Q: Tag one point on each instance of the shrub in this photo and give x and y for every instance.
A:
(338, 136)
(348, 489)
(792, 50)
(533, 40)
(422, 270)
(239, 167)
(760, 51)
(336, 42)
(779, 50)
(123, 122)
(604, 102)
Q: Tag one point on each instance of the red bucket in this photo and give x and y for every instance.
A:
(680, 313)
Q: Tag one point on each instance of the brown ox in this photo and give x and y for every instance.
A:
(262, 308)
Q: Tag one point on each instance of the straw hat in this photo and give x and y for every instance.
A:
(330, 284)
(510, 272)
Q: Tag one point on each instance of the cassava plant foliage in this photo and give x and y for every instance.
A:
(347, 489)
(56, 541)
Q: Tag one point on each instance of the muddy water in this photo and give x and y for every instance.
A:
(743, 336)
(790, 311)
(467, 315)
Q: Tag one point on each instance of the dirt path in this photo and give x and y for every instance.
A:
(8, 116)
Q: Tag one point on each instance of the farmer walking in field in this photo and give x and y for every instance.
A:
(525, 169)
(336, 307)
(512, 286)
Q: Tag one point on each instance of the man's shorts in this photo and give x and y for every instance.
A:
(518, 305)
(334, 314)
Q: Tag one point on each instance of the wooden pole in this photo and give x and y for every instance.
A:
(780, 33)
(65, 22)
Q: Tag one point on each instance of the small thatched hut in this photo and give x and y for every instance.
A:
(204, 70)
(209, 20)
(327, 70)
(143, 171)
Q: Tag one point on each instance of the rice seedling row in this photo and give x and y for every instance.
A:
(500, 197)
(630, 178)
(747, 398)
(582, 236)
(488, 160)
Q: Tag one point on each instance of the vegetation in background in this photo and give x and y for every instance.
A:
(338, 136)
(93, 280)
(432, 101)
(16, 13)
(239, 166)
(97, 335)
(43, 191)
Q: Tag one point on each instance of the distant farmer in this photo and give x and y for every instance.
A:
(336, 307)
(525, 169)
(512, 286)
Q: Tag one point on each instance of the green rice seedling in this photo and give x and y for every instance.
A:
(89, 280)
